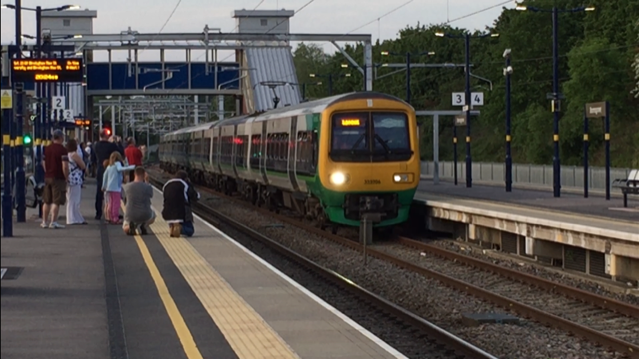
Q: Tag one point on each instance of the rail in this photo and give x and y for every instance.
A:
(521, 308)
(459, 345)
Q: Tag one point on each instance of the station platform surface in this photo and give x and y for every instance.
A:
(90, 291)
(570, 203)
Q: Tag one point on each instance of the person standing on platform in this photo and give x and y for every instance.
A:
(138, 214)
(133, 156)
(74, 183)
(101, 152)
(90, 167)
(56, 173)
(112, 185)
(179, 197)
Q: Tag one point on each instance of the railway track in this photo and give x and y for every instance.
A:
(455, 347)
(610, 323)
(607, 321)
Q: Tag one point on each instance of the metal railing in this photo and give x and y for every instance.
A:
(529, 175)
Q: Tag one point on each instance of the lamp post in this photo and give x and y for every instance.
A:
(319, 83)
(408, 67)
(508, 70)
(467, 36)
(330, 80)
(555, 96)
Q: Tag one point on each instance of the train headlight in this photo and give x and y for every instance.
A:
(338, 178)
(403, 177)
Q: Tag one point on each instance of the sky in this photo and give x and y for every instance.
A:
(319, 16)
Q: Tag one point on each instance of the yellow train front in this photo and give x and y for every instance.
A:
(368, 160)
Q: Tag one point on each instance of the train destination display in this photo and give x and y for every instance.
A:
(46, 70)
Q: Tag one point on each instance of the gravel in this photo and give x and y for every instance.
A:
(537, 270)
(619, 326)
(427, 298)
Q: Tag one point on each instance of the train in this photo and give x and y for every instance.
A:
(334, 160)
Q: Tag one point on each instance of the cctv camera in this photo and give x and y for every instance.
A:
(506, 52)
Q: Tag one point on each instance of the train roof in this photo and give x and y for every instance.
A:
(295, 110)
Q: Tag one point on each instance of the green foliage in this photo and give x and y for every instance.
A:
(597, 52)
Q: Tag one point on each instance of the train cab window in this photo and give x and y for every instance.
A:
(370, 136)
(350, 132)
(390, 136)
(256, 151)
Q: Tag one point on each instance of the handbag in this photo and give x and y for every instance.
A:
(75, 176)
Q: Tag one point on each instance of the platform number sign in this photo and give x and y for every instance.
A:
(58, 102)
(459, 98)
(68, 115)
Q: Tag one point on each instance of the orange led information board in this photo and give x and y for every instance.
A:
(80, 122)
(46, 70)
(350, 122)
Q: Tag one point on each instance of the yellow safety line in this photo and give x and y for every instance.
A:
(182, 330)
(250, 336)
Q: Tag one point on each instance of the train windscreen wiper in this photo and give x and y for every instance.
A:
(359, 141)
(383, 143)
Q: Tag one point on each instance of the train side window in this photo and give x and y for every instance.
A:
(256, 150)
(269, 151)
(227, 149)
(216, 149)
(207, 150)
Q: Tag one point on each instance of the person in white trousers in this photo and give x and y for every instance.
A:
(74, 184)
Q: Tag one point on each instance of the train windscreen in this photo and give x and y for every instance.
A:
(370, 137)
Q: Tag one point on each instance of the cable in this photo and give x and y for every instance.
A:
(379, 17)
(478, 12)
(163, 26)
(294, 13)
(408, 2)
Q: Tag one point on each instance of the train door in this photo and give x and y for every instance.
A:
(292, 150)
(264, 140)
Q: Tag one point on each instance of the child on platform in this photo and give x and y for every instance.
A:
(112, 186)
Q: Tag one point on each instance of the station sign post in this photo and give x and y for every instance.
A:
(597, 110)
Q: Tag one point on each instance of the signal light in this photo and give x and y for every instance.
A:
(27, 139)
(107, 131)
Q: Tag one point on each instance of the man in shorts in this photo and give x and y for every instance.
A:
(56, 174)
(138, 213)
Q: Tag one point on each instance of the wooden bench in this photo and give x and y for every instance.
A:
(628, 186)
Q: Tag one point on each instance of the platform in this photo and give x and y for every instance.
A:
(202, 297)
(581, 233)
(594, 205)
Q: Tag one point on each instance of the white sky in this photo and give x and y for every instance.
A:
(320, 16)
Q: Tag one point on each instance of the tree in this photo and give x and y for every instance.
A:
(636, 64)
(597, 61)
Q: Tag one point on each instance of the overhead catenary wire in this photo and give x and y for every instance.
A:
(168, 19)
(378, 18)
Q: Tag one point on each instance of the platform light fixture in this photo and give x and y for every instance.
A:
(467, 108)
(555, 96)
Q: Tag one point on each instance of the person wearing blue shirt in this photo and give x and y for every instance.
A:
(112, 185)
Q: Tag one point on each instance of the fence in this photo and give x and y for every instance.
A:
(532, 175)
